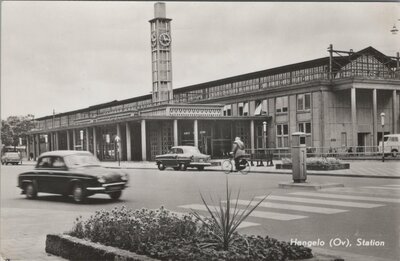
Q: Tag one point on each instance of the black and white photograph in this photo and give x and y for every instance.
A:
(200, 131)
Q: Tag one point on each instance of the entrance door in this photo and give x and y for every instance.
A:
(362, 141)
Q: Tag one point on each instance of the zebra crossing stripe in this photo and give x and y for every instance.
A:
(370, 187)
(303, 208)
(392, 185)
(255, 213)
(242, 225)
(341, 196)
(324, 202)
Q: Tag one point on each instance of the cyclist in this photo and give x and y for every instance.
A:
(238, 152)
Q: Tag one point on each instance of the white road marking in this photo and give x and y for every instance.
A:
(324, 202)
(303, 208)
(242, 225)
(392, 185)
(255, 213)
(370, 187)
(341, 196)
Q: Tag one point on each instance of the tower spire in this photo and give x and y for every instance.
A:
(160, 28)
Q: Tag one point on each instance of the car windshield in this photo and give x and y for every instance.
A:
(80, 160)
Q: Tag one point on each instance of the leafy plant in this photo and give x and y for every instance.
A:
(225, 220)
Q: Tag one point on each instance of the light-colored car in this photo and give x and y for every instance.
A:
(11, 157)
(392, 144)
(182, 157)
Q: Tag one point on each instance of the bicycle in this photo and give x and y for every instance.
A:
(228, 165)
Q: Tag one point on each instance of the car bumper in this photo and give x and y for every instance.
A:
(107, 188)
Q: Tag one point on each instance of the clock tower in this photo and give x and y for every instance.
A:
(161, 55)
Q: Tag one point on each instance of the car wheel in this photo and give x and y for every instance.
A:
(30, 191)
(200, 168)
(182, 167)
(161, 166)
(394, 153)
(78, 193)
(115, 195)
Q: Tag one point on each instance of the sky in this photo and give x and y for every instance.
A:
(64, 56)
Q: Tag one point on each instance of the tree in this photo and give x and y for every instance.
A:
(15, 127)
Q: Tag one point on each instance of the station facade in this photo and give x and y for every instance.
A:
(336, 100)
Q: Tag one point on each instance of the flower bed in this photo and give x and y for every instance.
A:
(164, 235)
(316, 164)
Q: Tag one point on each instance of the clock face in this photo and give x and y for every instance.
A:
(165, 39)
(153, 39)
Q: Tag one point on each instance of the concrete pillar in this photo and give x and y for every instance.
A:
(87, 138)
(175, 132)
(374, 118)
(196, 133)
(120, 141)
(128, 142)
(27, 147)
(37, 145)
(73, 139)
(143, 132)
(395, 111)
(354, 118)
(94, 142)
(252, 136)
(68, 141)
(56, 140)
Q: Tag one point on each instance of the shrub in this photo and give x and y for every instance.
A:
(165, 235)
(316, 161)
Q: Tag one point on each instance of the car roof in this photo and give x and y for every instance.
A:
(63, 153)
(184, 147)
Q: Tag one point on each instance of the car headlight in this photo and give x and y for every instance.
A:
(101, 179)
(124, 177)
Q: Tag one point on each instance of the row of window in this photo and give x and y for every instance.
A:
(282, 134)
(261, 106)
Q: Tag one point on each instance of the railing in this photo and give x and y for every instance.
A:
(326, 152)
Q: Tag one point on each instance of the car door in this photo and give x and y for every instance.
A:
(43, 174)
(60, 176)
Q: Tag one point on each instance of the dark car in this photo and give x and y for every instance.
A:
(76, 173)
(182, 157)
(11, 157)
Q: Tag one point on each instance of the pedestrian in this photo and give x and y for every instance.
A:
(238, 152)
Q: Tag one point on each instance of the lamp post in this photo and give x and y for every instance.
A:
(81, 137)
(383, 135)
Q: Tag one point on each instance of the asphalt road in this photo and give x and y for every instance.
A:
(336, 219)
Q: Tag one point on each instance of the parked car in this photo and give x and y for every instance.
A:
(76, 173)
(11, 157)
(182, 157)
(392, 144)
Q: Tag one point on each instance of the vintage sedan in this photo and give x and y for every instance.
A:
(11, 157)
(182, 157)
(76, 173)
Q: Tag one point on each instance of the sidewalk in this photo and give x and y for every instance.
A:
(358, 168)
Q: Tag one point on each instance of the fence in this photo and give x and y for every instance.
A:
(335, 152)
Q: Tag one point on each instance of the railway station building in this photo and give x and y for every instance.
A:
(336, 100)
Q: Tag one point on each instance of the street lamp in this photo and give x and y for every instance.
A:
(264, 134)
(383, 136)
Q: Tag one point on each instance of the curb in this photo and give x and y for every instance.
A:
(284, 173)
(73, 248)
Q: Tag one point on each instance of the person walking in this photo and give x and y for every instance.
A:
(238, 151)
